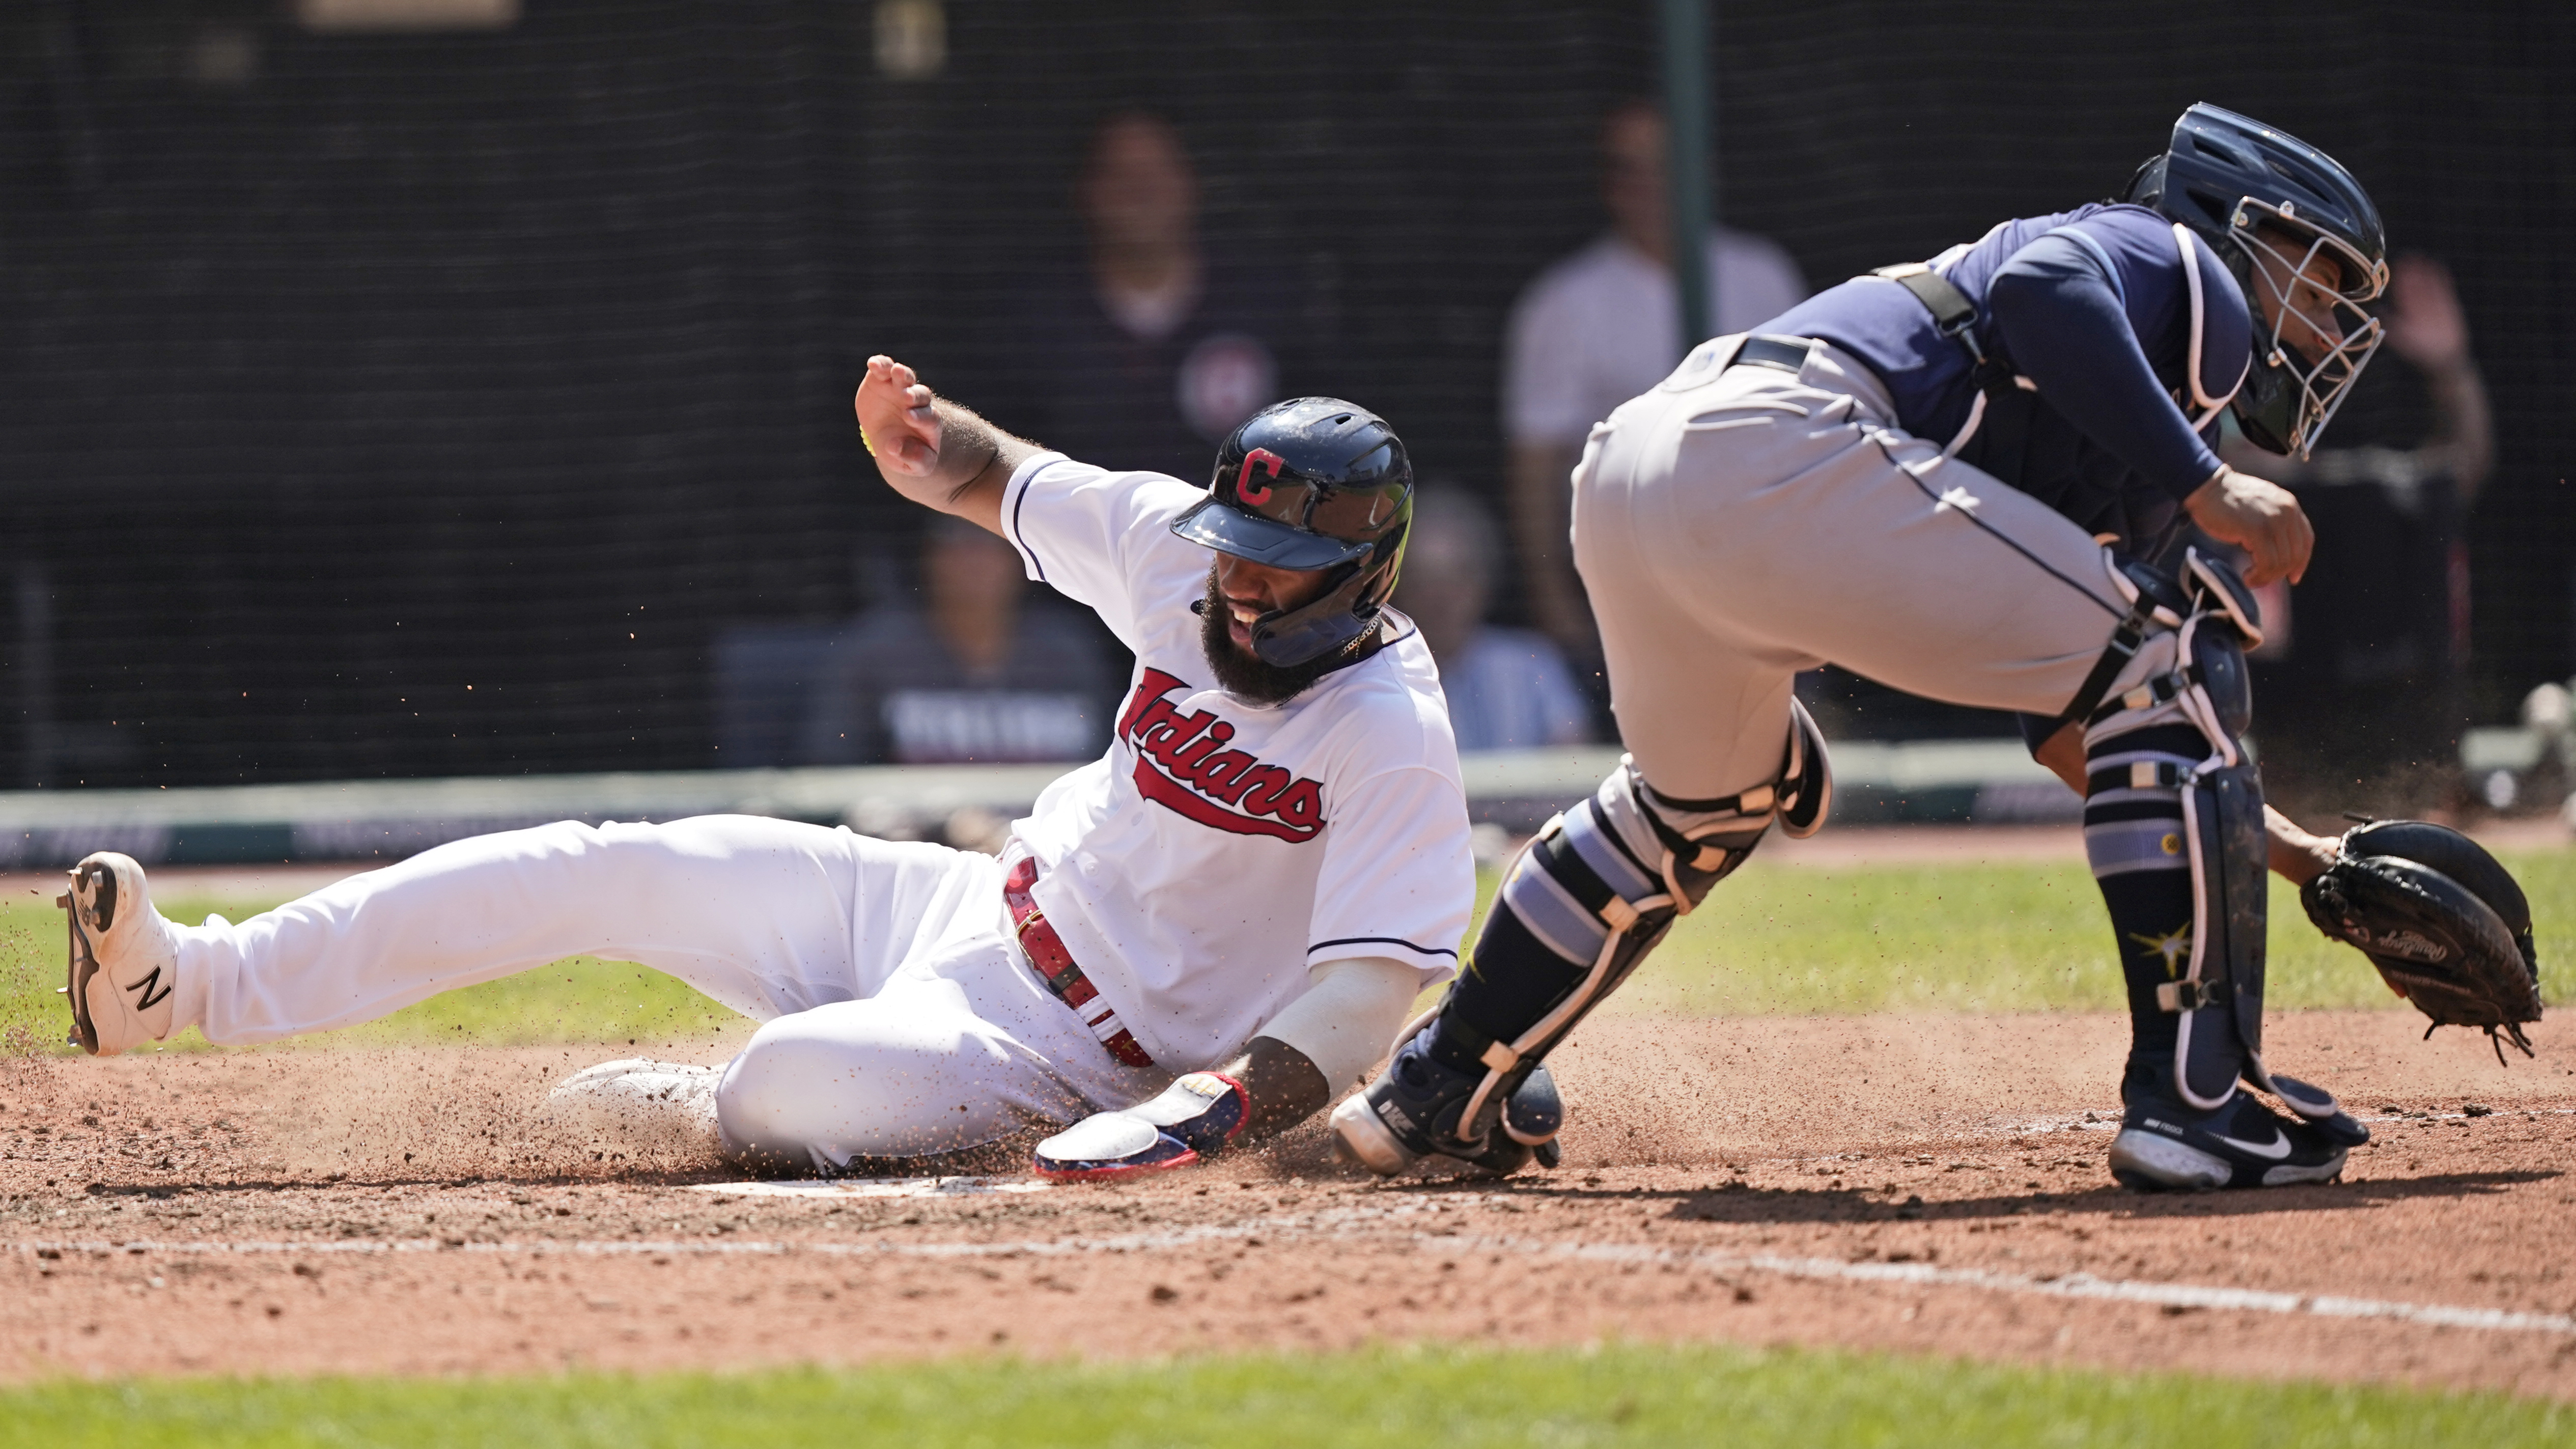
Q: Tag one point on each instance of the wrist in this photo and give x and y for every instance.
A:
(965, 485)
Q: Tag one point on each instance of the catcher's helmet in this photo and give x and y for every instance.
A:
(1318, 484)
(2230, 178)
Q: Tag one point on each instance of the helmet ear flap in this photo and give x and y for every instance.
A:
(1335, 619)
(1392, 550)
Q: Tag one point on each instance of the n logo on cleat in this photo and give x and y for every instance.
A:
(148, 1001)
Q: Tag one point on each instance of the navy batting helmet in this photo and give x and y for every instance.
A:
(1315, 484)
(2233, 179)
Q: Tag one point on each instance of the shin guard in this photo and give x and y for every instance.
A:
(2168, 753)
(1589, 897)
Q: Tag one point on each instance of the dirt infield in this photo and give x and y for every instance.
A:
(1915, 1183)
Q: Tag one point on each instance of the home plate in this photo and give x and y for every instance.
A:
(879, 1187)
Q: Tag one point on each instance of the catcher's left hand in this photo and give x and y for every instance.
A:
(1194, 1118)
(2443, 921)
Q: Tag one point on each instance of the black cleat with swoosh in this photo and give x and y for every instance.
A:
(2164, 1145)
(1412, 1111)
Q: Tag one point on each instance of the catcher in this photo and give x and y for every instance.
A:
(1787, 499)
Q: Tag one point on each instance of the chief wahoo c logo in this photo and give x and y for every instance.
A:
(1250, 492)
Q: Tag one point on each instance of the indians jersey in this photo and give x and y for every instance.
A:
(1222, 849)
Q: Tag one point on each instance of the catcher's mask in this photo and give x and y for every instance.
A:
(2260, 195)
(1320, 485)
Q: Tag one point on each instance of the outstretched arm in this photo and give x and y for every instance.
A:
(934, 452)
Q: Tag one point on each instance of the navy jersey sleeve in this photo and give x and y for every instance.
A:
(2077, 317)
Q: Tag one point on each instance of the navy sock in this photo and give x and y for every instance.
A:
(2151, 922)
(2133, 836)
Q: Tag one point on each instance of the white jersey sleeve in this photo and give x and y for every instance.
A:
(1396, 873)
(1086, 532)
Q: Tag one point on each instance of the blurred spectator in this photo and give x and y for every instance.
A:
(1148, 353)
(2363, 680)
(1508, 689)
(1595, 330)
(974, 675)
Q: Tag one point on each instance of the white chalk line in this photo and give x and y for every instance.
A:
(1351, 1222)
(2071, 1285)
(879, 1187)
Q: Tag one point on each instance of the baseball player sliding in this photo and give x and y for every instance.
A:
(1909, 475)
(1199, 937)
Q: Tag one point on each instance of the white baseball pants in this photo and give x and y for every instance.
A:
(1735, 528)
(899, 1019)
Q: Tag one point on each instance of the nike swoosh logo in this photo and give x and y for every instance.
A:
(2278, 1147)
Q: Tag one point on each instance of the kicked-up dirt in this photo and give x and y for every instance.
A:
(1916, 1183)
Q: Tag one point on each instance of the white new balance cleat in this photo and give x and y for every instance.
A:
(639, 1106)
(124, 957)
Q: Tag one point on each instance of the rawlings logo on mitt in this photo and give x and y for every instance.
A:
(2443, 921)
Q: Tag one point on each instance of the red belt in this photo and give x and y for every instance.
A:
(1056, 967)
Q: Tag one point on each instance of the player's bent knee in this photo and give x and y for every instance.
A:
(1598, 887)
(857, 1079)
(774, 1102)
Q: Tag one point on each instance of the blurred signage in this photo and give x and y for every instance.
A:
(912, 38)
(413, 15)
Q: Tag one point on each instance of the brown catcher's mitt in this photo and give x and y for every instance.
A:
(2443, 921)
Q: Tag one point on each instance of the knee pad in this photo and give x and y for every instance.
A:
(1688, 846)
(1594, 892)
(2146, 794)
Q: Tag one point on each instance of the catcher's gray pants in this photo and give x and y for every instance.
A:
(1740, 525)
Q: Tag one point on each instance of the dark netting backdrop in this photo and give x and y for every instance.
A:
(416, 404)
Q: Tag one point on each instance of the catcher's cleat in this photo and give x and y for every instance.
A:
(124, 957)
(2242, 1143)
(639, 1106)
(1411, 1111)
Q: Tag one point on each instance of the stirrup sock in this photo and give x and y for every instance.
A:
(2133, 836)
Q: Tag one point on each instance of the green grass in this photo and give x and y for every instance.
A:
(1991, 937)
(1773, 939)
(1628, 1394)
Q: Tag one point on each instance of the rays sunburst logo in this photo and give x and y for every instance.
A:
(2174, 946)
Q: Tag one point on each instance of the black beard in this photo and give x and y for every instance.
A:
(1243, 674)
